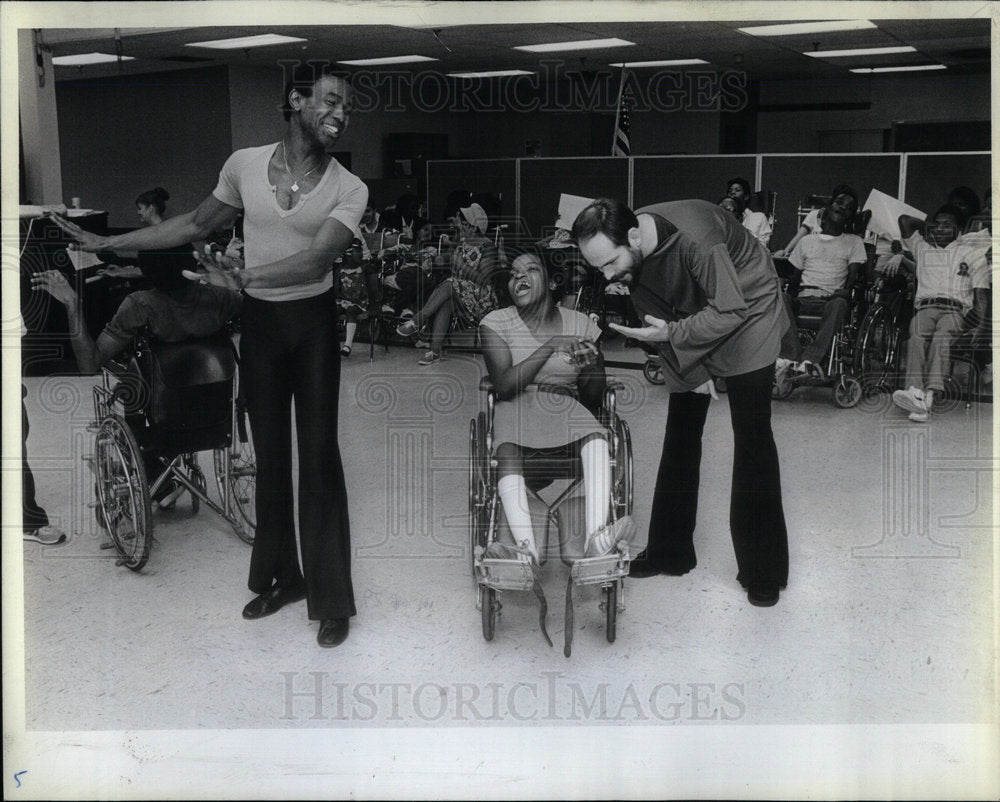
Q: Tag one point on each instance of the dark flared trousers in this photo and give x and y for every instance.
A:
(289, 350)
(756, 517)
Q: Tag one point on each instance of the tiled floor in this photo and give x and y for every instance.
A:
(887, 619)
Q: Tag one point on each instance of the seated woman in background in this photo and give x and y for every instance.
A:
(355, 284)
(533, 350)
(475, 265)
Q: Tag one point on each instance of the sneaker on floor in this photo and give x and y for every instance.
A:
(429, 358)
(407, 329)
(46, 535)
(911, 399)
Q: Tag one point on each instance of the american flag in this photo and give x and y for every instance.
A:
(621, 147)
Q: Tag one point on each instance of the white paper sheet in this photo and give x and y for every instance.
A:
(81, 260)
(569, 207)
(885, 211)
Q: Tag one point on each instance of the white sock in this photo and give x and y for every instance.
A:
(349, 329)
(596, 482)
(514, 495)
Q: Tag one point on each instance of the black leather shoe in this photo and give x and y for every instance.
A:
(762, 594)
(333, 631)
(272, 601)
(640, 567)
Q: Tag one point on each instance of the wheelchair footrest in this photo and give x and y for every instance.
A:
(502, 574)
(598, 570)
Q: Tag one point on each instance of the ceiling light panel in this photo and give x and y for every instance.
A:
(907, 68)
(792, 28)
(373, 62)
(673, 62)
(242, 42)
(585, 44)
(83, 59)
(860, 51)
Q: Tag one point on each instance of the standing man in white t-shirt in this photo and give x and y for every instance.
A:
(830, 261)
(300, 209)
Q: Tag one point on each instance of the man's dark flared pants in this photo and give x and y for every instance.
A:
(290, 350)
(756, 517)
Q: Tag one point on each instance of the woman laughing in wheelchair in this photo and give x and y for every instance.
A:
(541, 358)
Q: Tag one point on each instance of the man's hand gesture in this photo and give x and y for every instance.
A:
(217, 269)
(82, 240)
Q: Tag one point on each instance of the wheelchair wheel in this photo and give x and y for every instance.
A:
(477, 488)
(621, 481)
(876, 349)
(242, 484)
(610, 605)
(491, 606)
(123, 493)
(847, 392)
(198, 480)
(653, 372)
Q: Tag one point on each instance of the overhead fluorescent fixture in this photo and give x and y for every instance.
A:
(861, 51)
(242, 42)
(490, 74)
(87, 58)
(585, 44)
(908, 68)
(670, 62)
(792, 28)
(373, 62)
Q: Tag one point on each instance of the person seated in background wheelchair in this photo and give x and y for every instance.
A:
(829, 262)
(953, 292)
(475, 263)
(539, 356)
(173, 310)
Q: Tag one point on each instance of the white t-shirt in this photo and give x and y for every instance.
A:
(824, 259)
(272, 233)
(758, 225)
(950, 272)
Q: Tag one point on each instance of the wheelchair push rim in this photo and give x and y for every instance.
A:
(123, 492)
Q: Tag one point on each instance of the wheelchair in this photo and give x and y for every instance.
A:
(839, 364)
(881, 337)
(155, 409)
(492, 576)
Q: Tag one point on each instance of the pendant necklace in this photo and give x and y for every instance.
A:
(295, 182)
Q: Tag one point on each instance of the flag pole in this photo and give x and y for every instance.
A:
(618, 112)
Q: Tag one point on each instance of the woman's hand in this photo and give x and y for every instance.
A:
(655, 332)
(708, 388)
(82, 240)
(217, 269)
(780, 253)
(55, 284)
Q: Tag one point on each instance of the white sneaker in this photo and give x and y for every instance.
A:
(406, 329)
(910, 399)
(920, 417)
(782, 366)
(46, 535)
(429, 358)
(388, 308)
(607, 537)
